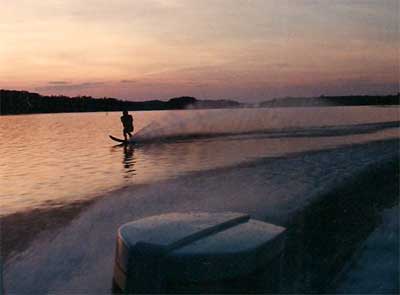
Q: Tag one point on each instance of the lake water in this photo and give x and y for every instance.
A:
(66, 187)
(50, 160)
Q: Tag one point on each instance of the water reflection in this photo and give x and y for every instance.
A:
(129, 161)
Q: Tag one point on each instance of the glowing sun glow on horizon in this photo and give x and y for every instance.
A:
(246, 50)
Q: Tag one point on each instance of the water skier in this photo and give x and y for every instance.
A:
(127, 122)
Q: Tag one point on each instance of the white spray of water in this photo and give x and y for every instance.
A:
(207, 123)
(211, 123)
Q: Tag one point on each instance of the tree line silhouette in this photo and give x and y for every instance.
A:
(24, 102)
(352, 100)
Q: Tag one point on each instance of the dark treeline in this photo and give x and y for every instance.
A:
(353, 100)
(24, 102)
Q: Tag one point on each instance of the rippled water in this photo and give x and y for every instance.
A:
(53, 159)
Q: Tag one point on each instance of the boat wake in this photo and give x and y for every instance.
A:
(154, 132)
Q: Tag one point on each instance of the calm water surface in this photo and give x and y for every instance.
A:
(52, 159)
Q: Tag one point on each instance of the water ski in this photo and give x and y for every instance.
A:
(121, 140)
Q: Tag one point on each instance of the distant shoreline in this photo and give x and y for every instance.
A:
(16, 102)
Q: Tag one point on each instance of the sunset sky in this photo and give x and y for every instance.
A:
(249, 50)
